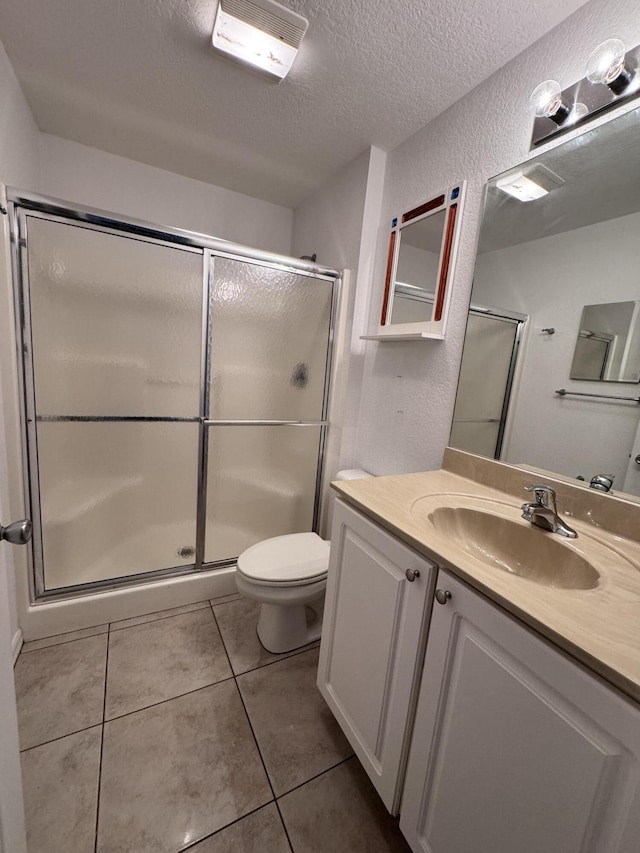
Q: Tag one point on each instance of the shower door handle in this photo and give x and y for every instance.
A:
(18, 533)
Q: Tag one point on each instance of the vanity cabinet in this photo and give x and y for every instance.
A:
(375, 622)
(515, 747)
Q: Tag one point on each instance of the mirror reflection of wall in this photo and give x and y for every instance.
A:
(417, 269)
(576, 246)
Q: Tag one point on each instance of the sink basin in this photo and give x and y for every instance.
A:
(514, 547)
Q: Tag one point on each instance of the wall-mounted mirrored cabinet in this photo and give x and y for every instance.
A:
(608, 343)
(561, 263)
(420, 264)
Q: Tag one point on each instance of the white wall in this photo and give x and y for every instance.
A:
(409, 387)
(19, 165)
(338, 223)
(85, 175)
(556, 277)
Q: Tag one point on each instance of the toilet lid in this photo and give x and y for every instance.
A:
(286, 559)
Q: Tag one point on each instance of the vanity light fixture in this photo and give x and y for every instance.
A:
(607, 64)
(612, 77)
(259, 33)
(546, 100)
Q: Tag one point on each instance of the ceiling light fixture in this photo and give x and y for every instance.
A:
(259, 33)
(606, 64)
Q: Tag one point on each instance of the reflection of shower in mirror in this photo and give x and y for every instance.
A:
(552, 261)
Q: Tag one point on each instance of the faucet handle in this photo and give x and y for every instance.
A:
(544, 495)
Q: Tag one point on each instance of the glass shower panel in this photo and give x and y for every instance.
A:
(483, 384)
(270, 338)
(262, 482)
(116, 323)
(117, 499)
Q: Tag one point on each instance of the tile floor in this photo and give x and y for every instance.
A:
(177, 731)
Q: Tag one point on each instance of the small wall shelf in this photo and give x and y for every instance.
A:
(407, 336)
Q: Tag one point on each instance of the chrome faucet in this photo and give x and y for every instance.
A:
(544, 512)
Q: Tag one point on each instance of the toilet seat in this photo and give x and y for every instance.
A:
(295, 559)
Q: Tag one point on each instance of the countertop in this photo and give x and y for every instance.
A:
(600, 627)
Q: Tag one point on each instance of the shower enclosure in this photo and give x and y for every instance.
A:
(485, 385)
(175, 395)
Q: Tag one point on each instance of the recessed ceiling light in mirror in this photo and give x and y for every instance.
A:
(529, 184)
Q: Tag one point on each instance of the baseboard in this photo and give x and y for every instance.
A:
(16, 645)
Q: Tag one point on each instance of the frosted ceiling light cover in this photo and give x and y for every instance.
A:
(262, 34)
(521, 187)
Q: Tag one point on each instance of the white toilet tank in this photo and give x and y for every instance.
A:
(353, 474)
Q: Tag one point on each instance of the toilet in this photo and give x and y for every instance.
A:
(288, 576)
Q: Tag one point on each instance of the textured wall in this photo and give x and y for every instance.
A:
(409, 388)
(89, 176)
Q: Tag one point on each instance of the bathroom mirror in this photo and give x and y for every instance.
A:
(608, 343)
(563, 255)
(420, 262)
(416, 277)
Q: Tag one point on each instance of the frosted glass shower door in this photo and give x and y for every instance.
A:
(116, 328)
(270, 336)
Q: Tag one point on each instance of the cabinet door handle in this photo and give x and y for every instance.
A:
(412, 574)
(442, 596)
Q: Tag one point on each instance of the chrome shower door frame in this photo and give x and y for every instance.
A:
(21, 205)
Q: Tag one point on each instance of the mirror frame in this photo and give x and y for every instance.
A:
(451, 202)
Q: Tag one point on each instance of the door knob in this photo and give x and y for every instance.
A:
(18, 533)
(637, 459)
(412, 574)
(442, 596)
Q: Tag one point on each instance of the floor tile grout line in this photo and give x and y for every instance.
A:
(109, 628)
(60, 737)
(157, 619)
(284, 826)
(170, 699)
(244, 707)
(285, 656)
(215, 603)
(104, 713)
(61, 643)
(226, 826)
(255, 739)
(317, 776)
(64, 643)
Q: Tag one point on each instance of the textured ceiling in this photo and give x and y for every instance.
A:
(139, 78)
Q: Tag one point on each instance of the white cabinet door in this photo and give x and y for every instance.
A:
(372, 637)
(516, 748)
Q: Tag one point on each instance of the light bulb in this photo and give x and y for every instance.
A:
(606, 65)
(546, 102)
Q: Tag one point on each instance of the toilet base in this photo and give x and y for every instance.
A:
(286, 628)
